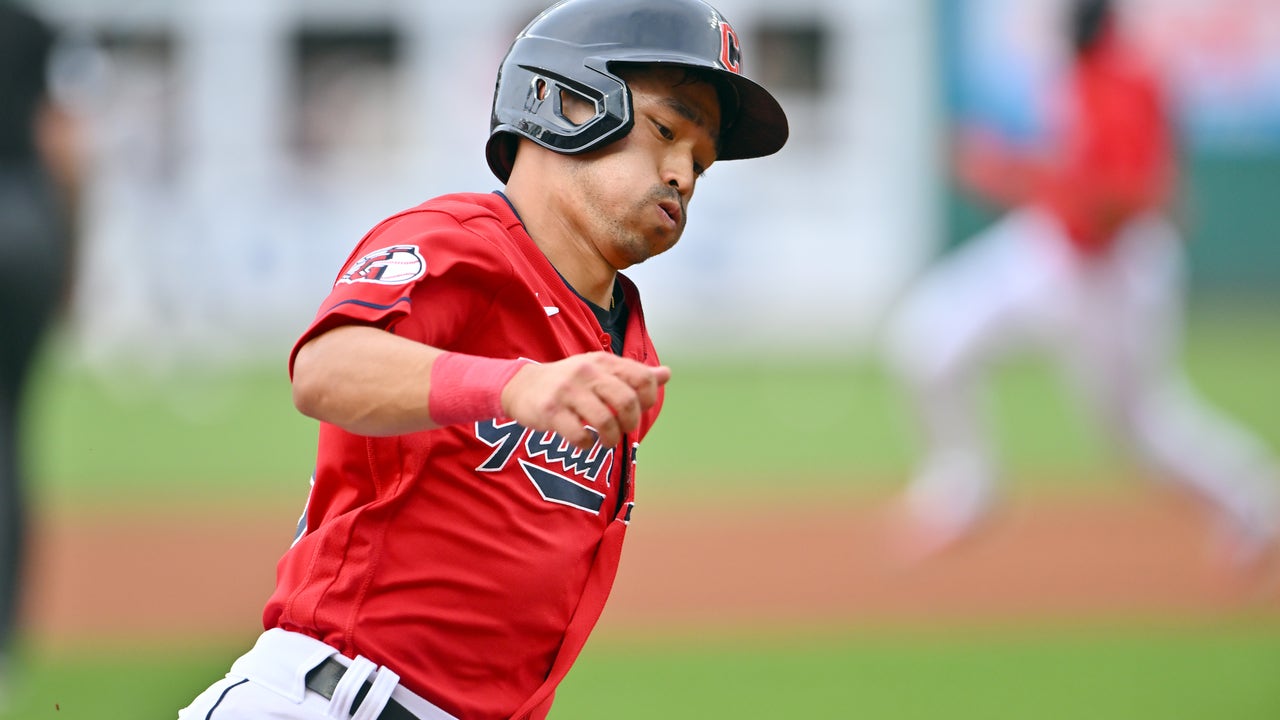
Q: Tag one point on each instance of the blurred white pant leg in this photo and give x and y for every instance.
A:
(1130, 367)
(1010, 287)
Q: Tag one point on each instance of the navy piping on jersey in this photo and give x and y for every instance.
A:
(515, 212)
(363, 303)
(614, 320)
(222, 697)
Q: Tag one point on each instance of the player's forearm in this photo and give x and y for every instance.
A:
(365, 380)
(996, 172)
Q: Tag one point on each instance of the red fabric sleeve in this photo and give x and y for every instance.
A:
(409, 262)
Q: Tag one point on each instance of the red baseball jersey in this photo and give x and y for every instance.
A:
(468, 559)
(1116, 148)
(1112, 154)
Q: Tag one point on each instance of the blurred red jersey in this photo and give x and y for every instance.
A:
(460, 557)
(1117, 154)
(1112, 154)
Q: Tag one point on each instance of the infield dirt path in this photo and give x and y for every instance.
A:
(201, 571)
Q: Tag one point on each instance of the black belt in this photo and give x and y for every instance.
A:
(323, 679)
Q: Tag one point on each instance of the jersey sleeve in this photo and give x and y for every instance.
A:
(419, 275)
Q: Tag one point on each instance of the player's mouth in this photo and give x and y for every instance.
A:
(672, 210)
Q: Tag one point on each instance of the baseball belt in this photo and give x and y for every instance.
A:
(323, 679)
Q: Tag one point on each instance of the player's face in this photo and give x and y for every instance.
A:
(634, 193)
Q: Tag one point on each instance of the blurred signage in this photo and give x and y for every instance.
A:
(1221, 59)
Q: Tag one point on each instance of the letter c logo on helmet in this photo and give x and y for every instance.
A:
(574, 45)
(730, 51)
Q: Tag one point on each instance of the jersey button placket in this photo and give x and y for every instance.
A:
(606, 343)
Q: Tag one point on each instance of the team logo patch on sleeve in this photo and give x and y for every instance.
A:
(395, 265)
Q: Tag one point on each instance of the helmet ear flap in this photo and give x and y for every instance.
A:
(544, 119)
(529, 103)
(571, 106)
(501, 154)
(545, 102)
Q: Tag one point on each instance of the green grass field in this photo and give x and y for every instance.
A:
(749, 427)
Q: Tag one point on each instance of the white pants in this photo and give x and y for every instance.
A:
(268, 683)
(1113, 323)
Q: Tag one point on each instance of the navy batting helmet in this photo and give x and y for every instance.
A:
(1087, 21)
(574, 45)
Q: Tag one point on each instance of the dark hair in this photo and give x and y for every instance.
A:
(1088, 18)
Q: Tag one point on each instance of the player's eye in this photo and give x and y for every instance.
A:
(664, 131)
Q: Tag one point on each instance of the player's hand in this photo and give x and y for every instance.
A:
(599, 390)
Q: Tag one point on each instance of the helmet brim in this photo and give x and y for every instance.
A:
(760, 127)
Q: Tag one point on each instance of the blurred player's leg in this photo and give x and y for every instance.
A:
(999, 292)
(1133, 374)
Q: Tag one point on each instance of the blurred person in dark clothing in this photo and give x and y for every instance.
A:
(38, 189)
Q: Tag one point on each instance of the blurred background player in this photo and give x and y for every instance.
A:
(1088, 265)
(38, 184)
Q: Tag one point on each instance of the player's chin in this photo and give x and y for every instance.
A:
(663, 239)
(653, 244)
(656, 249)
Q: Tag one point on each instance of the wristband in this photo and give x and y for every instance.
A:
(467, 388)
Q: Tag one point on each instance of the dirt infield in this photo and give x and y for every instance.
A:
(201, 571)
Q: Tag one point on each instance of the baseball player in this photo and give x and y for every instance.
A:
(1088, 266)
(484, 378)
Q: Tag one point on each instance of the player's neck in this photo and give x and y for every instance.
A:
(584, 277)
(565, 246)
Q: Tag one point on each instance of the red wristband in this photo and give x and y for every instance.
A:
(467, 388)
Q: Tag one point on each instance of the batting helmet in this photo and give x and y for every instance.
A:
(574, 45)
(1087, 21)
